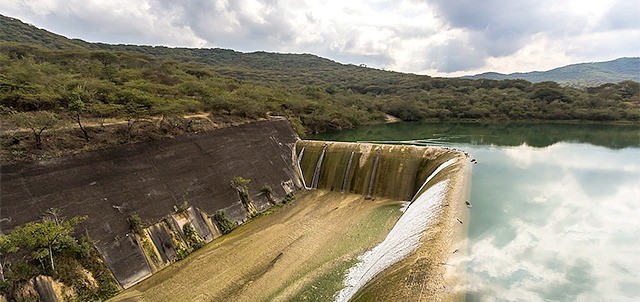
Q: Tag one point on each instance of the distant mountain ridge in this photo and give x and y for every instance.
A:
(582, 74)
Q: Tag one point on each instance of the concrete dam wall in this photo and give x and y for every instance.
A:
(407, 265)
(154, 180)
(394, 171)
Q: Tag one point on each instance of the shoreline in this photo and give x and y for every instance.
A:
(459, 194)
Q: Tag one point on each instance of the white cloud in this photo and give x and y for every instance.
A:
(568, 243)
(565, 156)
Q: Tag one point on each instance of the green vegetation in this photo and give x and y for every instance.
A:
(194, 240)
(288, 198)
(135, 222)
(325, 286)
(268, 193)
(241, 185)
(225, 225)
(37, 122)
(149, 89)
(47, 247)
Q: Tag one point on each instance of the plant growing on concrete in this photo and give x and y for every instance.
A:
(135, 223)
(54, 214)
(288, 198)
(225, 225)
(181, 208)
(194, 240)
(241, 185)
(268, 193)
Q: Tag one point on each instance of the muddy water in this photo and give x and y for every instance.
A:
(554, 207)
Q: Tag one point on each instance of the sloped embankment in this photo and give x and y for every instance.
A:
(188, 177)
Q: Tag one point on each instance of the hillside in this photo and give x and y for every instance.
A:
(583, 74)
(304, 69)
(62, 83)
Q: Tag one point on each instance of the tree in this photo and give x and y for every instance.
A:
(54, 214)
(241, 185)
(37, 122)
(134, 112)
(7, 246)
(46, 237)
(268, 193)
(104, 111)
(76, 107)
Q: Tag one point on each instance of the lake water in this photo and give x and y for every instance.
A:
(556, 207)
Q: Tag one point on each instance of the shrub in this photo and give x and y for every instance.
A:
(135, 223)
(226, 225)
(194, 239)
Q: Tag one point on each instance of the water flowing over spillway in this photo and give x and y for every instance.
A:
(316, 173)
(403, 239)
(346, 171)
(367, 169)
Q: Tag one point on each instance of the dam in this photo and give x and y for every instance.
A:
(166, 183)
(435, 184)
(179, 184)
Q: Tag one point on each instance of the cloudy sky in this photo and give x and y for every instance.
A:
(435, 37)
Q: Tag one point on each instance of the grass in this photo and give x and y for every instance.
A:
(327, 285)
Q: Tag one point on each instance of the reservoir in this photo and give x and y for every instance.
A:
(555, 207)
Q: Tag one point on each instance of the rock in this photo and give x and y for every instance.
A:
(50, 290)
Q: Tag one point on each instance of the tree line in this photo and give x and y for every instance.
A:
(40, 87)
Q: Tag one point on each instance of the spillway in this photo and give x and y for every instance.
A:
(407, 265)
(394, 171)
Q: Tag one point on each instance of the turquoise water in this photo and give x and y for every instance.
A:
(556, 208)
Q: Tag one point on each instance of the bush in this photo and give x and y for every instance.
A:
(288, 198)
(135, 223)
(194, 240)
(226, 225)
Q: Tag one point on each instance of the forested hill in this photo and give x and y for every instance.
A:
(264, 67)
(44, 72)
(582, 75)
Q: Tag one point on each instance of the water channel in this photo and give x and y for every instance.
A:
(556, 207)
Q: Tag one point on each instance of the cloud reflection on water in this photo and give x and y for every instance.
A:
(559, 223)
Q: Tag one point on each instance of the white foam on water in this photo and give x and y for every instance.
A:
(438, 169)
(401, 241)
